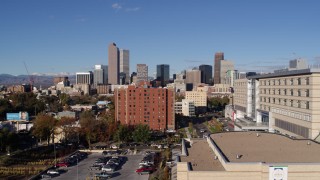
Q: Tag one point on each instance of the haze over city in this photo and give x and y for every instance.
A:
(71, 36)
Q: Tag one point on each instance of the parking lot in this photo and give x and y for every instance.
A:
(82, 171)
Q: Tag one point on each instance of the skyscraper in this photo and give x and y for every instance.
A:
(113, 62)
(142, 72)
(218, 57)
(100, 74)
(225, 66)
(206, 74)
(84, 78)
(163, 74)
(193, 77)
(124, 64)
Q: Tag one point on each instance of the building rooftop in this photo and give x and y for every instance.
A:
(266, 147)
(201, 157)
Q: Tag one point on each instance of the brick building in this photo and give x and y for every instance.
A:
(144, 105)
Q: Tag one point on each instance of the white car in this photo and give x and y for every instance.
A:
(53, 172)
(108, 168)
(202, 130)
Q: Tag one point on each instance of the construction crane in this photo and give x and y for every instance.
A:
(29, 76)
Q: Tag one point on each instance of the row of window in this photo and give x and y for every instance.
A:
(290, 92)
(285, 102)
(286, 81)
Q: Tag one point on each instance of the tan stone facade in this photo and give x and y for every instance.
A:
(199, 96)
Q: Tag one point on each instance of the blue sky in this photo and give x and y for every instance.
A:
(54, 36)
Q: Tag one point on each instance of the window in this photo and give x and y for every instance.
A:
(307, 105)
(307, 81)
(299, 104)
(291, 103)
(307, 93)
(299, 81)
(291, 92)
(291, 81)
(299, 93)
(285, 92)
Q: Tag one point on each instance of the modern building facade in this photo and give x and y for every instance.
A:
(124, 64)
(225, 66)
(142, 72)
(218, 57)
(113, 64)
(193, 76)
(84, 78)
(206, 74)
(185, 108)
(287, 100)
(198, 96)
(144, 105)
(100, 74)
(163, 74)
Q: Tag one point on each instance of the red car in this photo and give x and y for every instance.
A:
(62, 164)
(145, 170)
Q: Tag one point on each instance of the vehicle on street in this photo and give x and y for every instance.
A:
(202, 130)
(103, 175)
(62, 164)
(53, 172)
(46, 176)
(145, 170)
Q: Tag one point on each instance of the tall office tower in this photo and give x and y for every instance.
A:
(225, 66)
(142, 72)
(163, 74)
(193, 76)
(133, 77)
(206, 74)
(124, 64)
(113, 62)
(84, 77)
(218, 57)
(100, 74)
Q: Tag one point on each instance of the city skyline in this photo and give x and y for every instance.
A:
(54, 37)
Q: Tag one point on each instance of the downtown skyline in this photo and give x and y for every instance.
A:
(56, 36)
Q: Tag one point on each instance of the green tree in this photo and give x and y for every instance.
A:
(141, 133)
(123, 134)
(5, 107)
(44, 127)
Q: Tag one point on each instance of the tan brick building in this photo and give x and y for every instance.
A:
(144, 105)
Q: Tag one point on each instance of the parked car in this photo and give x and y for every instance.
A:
(62, 164)
(145, 170)
(202, 130)
(53, 172)
(109, 168)
(103, 175)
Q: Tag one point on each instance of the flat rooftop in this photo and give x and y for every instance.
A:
(267, 147)
(201, 157)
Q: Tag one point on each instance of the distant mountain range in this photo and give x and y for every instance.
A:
(44, 80)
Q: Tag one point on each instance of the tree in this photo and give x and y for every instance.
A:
(141, 133)
(5, 107)
(44, 127)
(88, 126)
(123, 134)
(65, 123)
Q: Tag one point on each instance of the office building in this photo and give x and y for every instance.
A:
(248, 156)
(142, 72)
(185, 108)
(63, 79)
(199, 97)
(124, 64)
(163, 74)
(218, 57)
(206, 74)
(193, 77)
(225, 66)
(286, 101)
(113, 64)
(100, 74)
(144, 105)
(84, 78)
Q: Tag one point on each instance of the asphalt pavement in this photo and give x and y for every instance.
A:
(82, 171)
